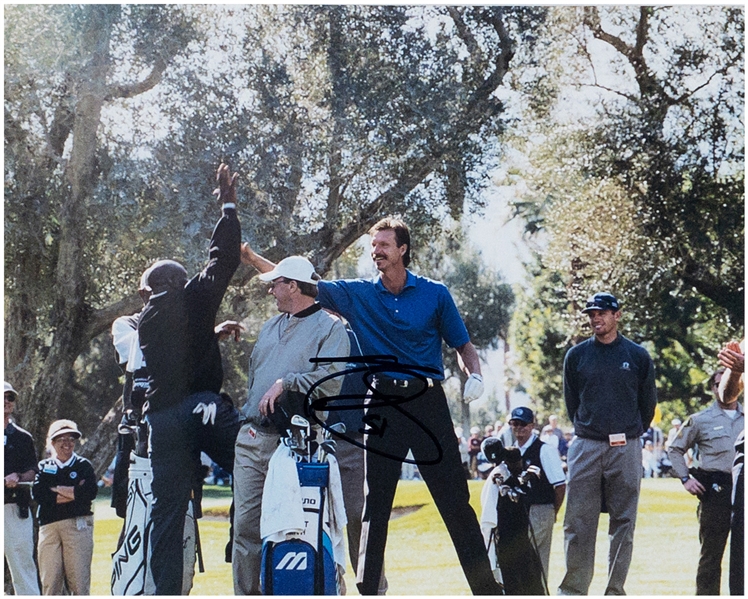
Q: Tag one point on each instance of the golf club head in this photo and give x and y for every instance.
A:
(299, 421)
(125, 429)
(338, 428)
(329, 446)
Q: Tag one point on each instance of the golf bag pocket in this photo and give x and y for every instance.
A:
(288, 568)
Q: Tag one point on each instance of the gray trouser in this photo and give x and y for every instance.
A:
(597, 470)
(19, 550)
(250, 469)
(542, 519)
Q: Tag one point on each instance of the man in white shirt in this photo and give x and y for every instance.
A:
(547, 496)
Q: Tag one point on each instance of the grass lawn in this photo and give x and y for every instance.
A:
(420, 559)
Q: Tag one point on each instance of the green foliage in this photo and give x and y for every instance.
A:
(642, 195)
(539, 340)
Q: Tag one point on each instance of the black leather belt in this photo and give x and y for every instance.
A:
(386, 381)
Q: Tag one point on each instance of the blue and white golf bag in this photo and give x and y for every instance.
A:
(303, 517)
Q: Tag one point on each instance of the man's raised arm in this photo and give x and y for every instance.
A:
(249, 256)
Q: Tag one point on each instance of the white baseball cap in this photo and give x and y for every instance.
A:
(297, 268)
(9, 389)
(63, 427)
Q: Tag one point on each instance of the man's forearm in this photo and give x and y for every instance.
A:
(27, 477)
(730, 386)
(249, 256)
(468, 359)
(678, 461)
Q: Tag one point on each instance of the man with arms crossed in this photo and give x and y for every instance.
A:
(714, 430)
(609, 389)
(280, 374)
(406, 316)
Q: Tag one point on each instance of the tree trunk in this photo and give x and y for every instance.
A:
(71, 312)
(100, 446)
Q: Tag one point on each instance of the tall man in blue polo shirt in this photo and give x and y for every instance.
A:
(406, 316)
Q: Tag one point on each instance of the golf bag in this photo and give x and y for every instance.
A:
(302, 523)
(303, 565)
(131, 573)
(506, 524)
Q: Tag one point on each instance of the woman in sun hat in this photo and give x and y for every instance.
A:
(64, 488)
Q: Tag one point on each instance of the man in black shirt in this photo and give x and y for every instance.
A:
(185, 410)
(609, 389)
(20, 467)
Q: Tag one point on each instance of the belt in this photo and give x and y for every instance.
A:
(386, 381)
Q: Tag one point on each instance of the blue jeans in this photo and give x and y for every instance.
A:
(177, 436)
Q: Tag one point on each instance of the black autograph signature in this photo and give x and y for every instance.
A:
(374, 424)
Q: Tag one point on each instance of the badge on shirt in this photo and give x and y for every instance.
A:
(73, 475)
(50, 469)
(618, 440)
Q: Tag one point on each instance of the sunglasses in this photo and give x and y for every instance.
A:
(278, 282)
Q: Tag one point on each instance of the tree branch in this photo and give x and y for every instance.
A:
(134, 89)
(102, 319)
(464, 33)
(733, 300)
(649, 87)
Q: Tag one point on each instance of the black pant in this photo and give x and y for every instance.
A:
(177, 437)
(714, 527)
(424, 426)
(737, 538)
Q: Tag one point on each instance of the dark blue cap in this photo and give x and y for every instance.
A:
(602, 301)
(522, 414)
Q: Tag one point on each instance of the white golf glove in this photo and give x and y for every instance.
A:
(473, 388)
(208, 412)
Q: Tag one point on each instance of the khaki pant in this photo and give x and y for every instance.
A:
(65, 552)
(19, 551)
(250, 470)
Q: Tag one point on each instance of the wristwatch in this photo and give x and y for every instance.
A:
(685, 479)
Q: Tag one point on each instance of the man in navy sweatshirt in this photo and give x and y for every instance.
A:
(609, 389)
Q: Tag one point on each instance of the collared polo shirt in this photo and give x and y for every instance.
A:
(409, 325)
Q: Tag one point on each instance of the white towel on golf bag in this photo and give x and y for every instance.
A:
(280, 518)
(336, 518)
(489, 518)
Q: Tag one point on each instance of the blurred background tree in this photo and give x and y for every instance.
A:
(639, 191)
